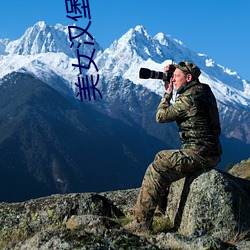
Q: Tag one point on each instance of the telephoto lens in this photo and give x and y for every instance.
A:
(145, 73)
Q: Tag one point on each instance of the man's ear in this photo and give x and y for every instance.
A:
(189, 77)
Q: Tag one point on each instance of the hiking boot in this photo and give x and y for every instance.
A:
(140, 227)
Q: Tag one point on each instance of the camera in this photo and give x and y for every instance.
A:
(145, 73)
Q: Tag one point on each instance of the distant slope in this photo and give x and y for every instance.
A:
(52, 144)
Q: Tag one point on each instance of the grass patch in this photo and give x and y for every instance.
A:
(15, 236)
(123, 220)
(162, 224)
(239, 237)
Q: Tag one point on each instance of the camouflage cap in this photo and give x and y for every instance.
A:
(189, 68)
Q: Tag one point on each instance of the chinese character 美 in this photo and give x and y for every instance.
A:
(84, 87)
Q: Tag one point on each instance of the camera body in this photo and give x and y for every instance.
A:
(146, 73)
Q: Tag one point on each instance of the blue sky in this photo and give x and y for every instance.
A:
(218, 28)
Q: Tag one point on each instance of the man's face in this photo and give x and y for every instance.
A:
(179, 78)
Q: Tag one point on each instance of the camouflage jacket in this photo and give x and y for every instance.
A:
(195, 111)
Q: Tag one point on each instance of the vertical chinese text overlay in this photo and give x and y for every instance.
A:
(86, 84)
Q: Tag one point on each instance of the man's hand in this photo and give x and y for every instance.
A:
(168, 85)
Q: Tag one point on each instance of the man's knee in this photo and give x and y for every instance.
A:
(162, 160)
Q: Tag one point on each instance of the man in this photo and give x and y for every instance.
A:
(195, 111)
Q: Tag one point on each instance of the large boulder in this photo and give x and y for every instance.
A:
(210, 202)
(19, 221)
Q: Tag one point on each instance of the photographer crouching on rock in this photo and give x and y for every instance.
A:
(195, 111)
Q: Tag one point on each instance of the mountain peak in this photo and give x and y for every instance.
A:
(140, 29)
(36, 39)
(136, 49)
(42, 38)
(41, 24)
(135, 46)
(167, 39)
(134, 35)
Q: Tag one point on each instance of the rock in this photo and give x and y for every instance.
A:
(212, 202)
(178, 241)
(21, 220)
(90, 221)
(63, 239)
(209, 211)
(124, 199)
(243, 245)
(241, 169)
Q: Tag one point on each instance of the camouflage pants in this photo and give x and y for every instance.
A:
(167, 167)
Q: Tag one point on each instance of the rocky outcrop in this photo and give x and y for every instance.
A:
(210, 202)
(209, 210)
(241, 169)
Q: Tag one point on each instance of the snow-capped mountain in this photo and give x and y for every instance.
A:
(137, 49)
(35, 52)
(42, 38)
(45, 52)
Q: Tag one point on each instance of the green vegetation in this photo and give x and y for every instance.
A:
(160, 223)
(229, 167)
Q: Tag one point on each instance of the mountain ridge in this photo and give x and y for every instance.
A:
(42, 38)
(149, 52)
(135, 49)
